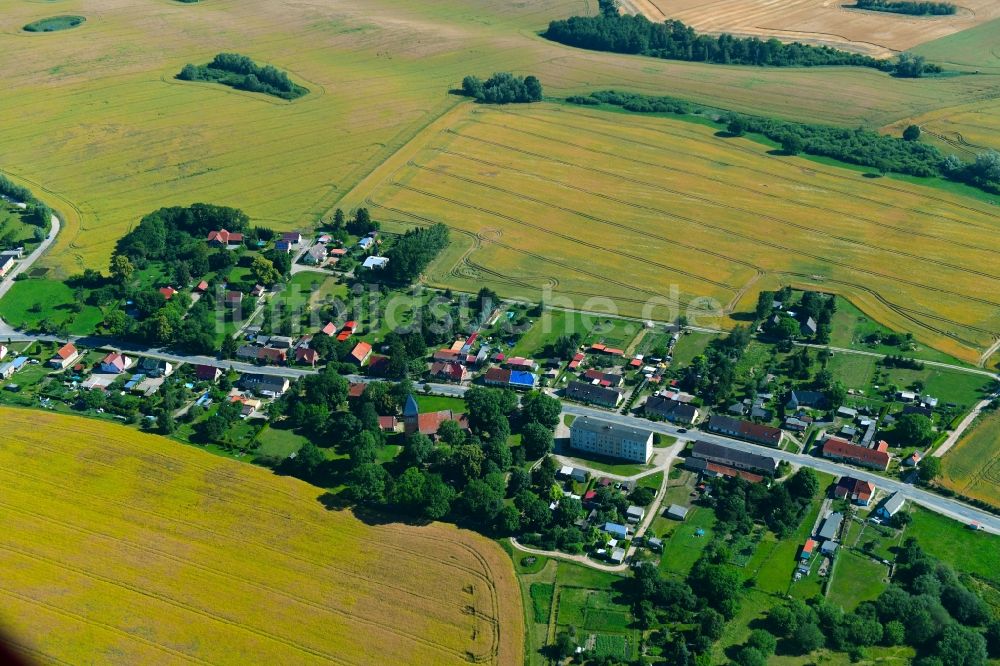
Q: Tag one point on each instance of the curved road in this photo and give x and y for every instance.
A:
(24, 265)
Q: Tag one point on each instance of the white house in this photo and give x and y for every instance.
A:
(611, 439)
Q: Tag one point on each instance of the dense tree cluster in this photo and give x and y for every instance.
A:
(712, 375)
(927, 607)
(413, 251)
(239, 71)
(673, 40)
(503, 88)
(463, 474)
(633, 102)
(781, 507)
(908, 7)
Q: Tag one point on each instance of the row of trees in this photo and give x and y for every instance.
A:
(854, 146)
(239, 71)
(908, 7)
(673, 40)
(503, 88)
(37, 212)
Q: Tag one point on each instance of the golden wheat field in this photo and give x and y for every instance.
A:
(92, 119)
(836, 24)
(593, 203)
(120, 547)
(972, 467)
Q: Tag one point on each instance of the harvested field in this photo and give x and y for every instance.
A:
(972, 467)
(378, 73)
(548, 197)
(122, 547)
(836, 24)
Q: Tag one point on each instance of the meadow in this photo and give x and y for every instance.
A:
(548, 198)
(379, 74)
(972, 467)
(965, 130)
(120, 546)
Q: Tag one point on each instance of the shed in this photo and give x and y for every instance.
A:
(677, 512)
(635, 513)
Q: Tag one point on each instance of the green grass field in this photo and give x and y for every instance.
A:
(856, 578)
(952, 542)
(972, 466)
(30, 302)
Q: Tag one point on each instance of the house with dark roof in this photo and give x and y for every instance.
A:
(604, 378)
(307, 356)
(811, 399)
(732, 457)
(593, 394)
(207, 373)
(671, 410)
(272, 355)
(839, 449)
(266, 385)
(831, 526)
(854, 490)
(754, 432)
(233, 298)
(808, 327)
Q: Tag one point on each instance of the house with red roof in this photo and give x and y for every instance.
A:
(854, 490)
(223, 238)
(272, 355)
(361, 353)
(307, 355)
(330, 329)
(451, 371)
(234, 298)
(65, 357)
(168, 292)
(115, 363)
(840, 449)
(202, 287)
(355, 390)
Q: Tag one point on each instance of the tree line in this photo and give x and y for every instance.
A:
(239, 71)
(854, 146)
(673, 40)
(908, 7)
(503, 88)
(37, 212)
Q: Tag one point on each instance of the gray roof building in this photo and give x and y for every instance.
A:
(831, 526)
(732, 457)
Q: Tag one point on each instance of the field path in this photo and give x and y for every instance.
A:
(962, 427)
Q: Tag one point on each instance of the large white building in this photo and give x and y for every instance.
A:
(611, 439)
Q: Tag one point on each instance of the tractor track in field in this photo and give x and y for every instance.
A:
(169, 601)
(510, 218)
(545, 259)
(705, 200)
(754, 153)
(901, 311)
(790, 250)
(601, 220)
(104, 625)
